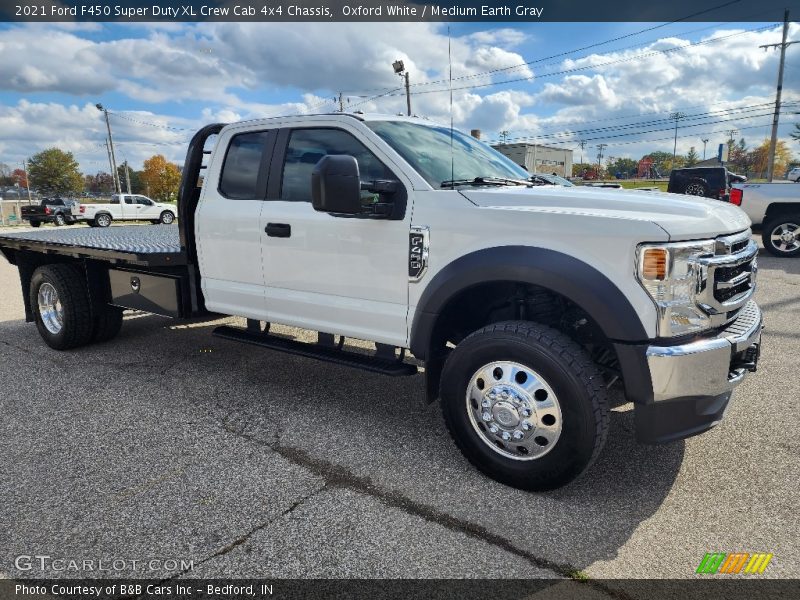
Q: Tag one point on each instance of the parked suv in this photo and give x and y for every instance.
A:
(711, 182)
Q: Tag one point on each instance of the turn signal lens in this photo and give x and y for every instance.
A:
(654, 264)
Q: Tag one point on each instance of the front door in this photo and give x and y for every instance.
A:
(335, 274)
(227, 225)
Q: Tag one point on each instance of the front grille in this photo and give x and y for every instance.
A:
(730, 282)
(739, 246)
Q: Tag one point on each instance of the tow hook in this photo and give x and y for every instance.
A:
(748, 359)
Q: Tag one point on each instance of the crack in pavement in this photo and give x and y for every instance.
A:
(337, 476)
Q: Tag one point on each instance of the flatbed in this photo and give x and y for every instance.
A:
(142, 246)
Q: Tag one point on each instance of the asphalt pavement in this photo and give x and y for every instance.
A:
(220, 459)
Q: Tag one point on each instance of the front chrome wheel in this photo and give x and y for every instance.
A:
(513, 410)
(50, 308)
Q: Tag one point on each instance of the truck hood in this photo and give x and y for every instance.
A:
(682, 217)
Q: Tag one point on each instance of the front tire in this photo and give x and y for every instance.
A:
(525, 405)
(60, 302)
(167, 218)
(781, 235)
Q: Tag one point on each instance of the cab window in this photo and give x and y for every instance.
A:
(306, 148)
(242, 166)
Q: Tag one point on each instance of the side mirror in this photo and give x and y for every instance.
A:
(336, 185)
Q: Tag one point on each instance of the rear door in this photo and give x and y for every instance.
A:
(336, 274)
(228, 223)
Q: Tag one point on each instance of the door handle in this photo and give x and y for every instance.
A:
(283, 230)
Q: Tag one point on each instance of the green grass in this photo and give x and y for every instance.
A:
(632, 184)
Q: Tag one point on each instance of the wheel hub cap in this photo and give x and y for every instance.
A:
(786, 237)
(50, 309)
(513, 410)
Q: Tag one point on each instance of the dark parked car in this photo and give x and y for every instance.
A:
(711, 182)
(50, 210)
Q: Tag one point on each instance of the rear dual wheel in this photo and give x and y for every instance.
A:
(63, 311)
(525, 405)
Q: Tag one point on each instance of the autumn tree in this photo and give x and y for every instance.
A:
(691, 157)
(5, 174)
(795, 135)
(55, 172)
(161, 178)
(101, 183)
(760, 157)
(18, 177)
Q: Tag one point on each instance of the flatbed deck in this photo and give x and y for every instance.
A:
(142, 245)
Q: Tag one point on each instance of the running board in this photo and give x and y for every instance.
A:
(326, 353)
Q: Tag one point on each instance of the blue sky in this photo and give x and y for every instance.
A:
(163, 81)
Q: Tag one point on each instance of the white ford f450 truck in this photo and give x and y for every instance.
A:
(523, 303)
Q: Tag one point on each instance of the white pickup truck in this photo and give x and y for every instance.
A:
(775, 207)
(524, 303)
(127, 207)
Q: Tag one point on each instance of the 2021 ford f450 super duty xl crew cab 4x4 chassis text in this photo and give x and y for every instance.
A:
(523, 302)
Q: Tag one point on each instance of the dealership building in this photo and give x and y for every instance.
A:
(539, 159)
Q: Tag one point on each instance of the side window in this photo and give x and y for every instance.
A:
(114, 200)
(306, 148)
(128, 200)
(143, 201)
(240, 171)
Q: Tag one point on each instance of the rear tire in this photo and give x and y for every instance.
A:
(532, 381)
(35, 223)
(167, 218)
(781, 235)
(696, 188)
(60, 302)
(60, 220)
(107, 323)
(102, 220)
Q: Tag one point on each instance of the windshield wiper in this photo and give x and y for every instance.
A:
(449, 183)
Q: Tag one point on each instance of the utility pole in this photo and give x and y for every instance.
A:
(504, 135)
(114, 172)
(600, 148)
(583, 145)
(705, 141)
(111, 163)
(127, 176)
(773, 141)
(27, 180)
(400, 69)
(677, 116)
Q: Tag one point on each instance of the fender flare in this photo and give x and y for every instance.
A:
(575, 280)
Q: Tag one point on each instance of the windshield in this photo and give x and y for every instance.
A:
(427, 149)
(552, 179)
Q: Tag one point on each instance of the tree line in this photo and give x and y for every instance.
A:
(742, 159)
(55, 172)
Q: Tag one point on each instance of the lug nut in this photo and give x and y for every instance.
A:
(492, 395)
(486, 403)
(506, 436)
(526, 412)
(493, 428)
(526, 426)
(518, 435)
(486, 416)
(505, 395)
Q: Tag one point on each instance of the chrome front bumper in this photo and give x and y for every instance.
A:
(708, 367)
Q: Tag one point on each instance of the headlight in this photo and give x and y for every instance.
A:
(672, 276)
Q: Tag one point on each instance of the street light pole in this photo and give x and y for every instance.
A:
(705, 141)
(400, 69)
(114, 172)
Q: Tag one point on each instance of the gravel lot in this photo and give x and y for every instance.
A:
(168, 443)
